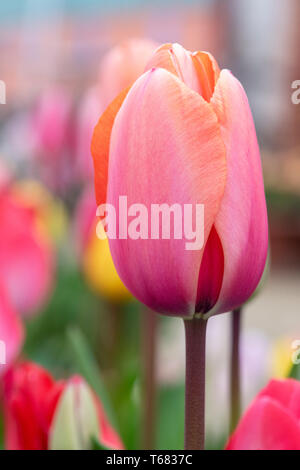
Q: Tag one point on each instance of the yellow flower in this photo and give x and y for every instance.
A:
(281, 363)
(101, 273)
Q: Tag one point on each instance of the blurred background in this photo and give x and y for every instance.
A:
(51, 55)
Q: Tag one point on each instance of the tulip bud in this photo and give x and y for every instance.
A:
(75, 421)
(184, 135)
(41, 413)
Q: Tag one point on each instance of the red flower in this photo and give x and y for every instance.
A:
(31, 399)
(272, 422)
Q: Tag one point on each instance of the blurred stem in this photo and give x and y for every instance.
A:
(110, 335)
(235, 392)
(149, 337)
(116, 319)
(195, 338)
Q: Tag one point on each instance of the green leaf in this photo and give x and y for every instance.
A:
(295, 372)
(170, 426)
(88, 368)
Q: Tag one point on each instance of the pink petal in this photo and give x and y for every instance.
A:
(26, 269)
(179, 61)
(11, 331)
(160, 143)
(286, 392)
(266, 426)
(242, 220)
(26, 257)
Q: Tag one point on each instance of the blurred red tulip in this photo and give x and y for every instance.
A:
(26, 257)
(11, 332)
(119, 68)
(31, 400)
(272, 421)
(184, 134)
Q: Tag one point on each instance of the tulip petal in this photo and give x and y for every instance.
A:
(164, 59)
(211, 273)
(159, 155)
(177, 60)
(242, 220)
(11, 333)
(286, 392)
(100, 146)
(30, 397)
(208, 72)
(266, 426)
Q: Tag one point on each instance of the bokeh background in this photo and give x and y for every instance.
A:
(50, 52)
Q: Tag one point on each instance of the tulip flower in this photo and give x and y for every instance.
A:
(34, 405)
(272, 421)
(26, 257)
(52, 137)
(119, 68)
(11, 332)
(183, 134)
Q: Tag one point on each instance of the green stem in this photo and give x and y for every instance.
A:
(149, 336)
(195, 338)
(235, 392)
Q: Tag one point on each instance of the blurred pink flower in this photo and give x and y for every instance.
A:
(119, 68)
(53, 137)
(11, 332)
(26, 256)
(272, 421)
(88, 113)
(122, 65)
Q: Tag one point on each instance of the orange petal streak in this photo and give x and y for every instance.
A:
(100, 145)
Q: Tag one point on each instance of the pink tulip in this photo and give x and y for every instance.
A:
(11, 332)
(119, 68)
(26, 257)
(52, 135)
(184, 134)
(272, 422)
